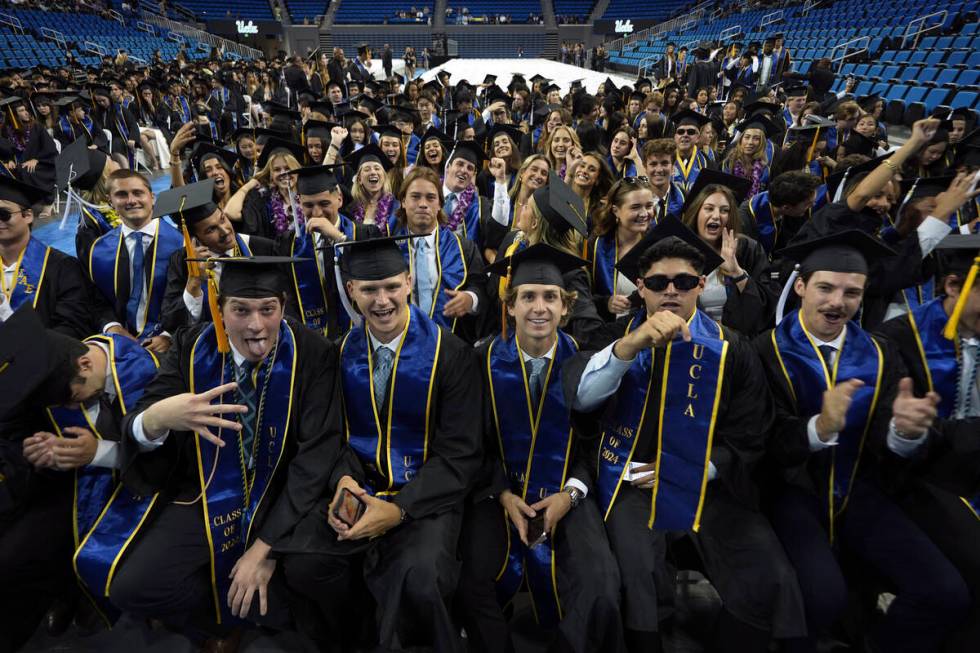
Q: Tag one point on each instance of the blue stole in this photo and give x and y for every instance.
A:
(68, 128)
(312, 285)
(604, 255)
(241, 249)
(788, 118)
(103, 269)
(180, 105)
(688, 409)
(101, 535)
(918, 295)
(940, 357)
(536, 135)
(413, 147)
(124, 132)
(808, 377)
(234, 494)
(29, 274)
(628, 168)
(761, 212)
(406, 431)
(470, 225)
(535, 446)
(450, 269)
(685, 176)
(96, 218)
(673, 204)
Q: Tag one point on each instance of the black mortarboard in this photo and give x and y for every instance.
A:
(667, 227)
(549, 88)
(921, 187)
(759, 121)
(760, 106)
(253, 277)
(372, 104)
(537, 77)
(275, 109)
(434, 132)
(850, 251)
(433, 85)
(859, 144)
(79, 165)
(21, 194)
(280, 146)
(868, 102)
(955, 253)
(404, 113)
(739, 186)
(318, 129)
(99, 90)
(967, 155)
(561, 207)
(388, 130)
(797, 90)
(496, 94)
(370, 152)
(470, 151)
(538, 264)
(513, 132)
(490, 79)
(372, 259)
(36, 365)
(204, 151)
(837, 178)
(313, 180)
(188, 204)
(688, 117)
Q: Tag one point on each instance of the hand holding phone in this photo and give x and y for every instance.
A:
(349, 507)
(535, 531)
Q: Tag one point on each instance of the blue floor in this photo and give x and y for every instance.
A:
(50, 232)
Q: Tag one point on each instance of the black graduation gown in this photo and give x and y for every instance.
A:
(174, 313)
(586, 573)
(751, 310)
(109, 120)
(65, 303)
(737, 548)
(94, 137)
(40, 146)
(412, 569)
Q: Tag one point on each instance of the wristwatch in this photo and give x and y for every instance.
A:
(575, 494)
(741, 277)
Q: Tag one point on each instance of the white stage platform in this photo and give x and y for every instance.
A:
(474, 70)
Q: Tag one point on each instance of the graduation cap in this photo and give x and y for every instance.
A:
(436, 133)
(538, 77)
(36, 365)
(760, 122)
(490, 79)
(922, 187)
(99, 90)
(956, 253)
(10, 106)
(368, 102)
(859, 144)
(318, 129)
(496, 94)
(279, 146)
(668, 227)
(275, 110)
(688, 117)
(403, 113)
(739, 186)
(21, 194)
(313, 180)
(187, 205)
(848, 251)
(370, 152)
(515, 134)
(388, 130)
(560, 206)
(79, 166)
(962, 113)
(204, 151)
(372, 259)
(470, 151)
(642, 81)
(797, 90)
(549, 88)
(327, 108)
(967, 155)
(761, 106)
(433, 85)
(837, 181)
(868, 102)
(538, 264)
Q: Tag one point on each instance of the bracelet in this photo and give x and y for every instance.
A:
(334, 147)
(741, 277)
(891, 165)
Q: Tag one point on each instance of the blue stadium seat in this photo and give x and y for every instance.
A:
(934, 98)
(964, 99)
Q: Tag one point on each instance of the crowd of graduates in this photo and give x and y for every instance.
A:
(387, 353)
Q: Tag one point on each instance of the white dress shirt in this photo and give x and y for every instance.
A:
(930, 233)
(430, 263)
(149, 231)
(107, 452)
(6, 310)
(500, 211)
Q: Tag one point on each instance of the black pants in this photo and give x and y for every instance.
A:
(950, 523)
(931, 597)
(740, 554)
(586, 573)
(166, 575)
(35, 561)
(411, 572)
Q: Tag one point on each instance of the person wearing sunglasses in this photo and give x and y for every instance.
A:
(690, 159)
(35, 274)
(685, 415)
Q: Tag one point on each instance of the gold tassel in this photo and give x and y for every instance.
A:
(193, 269)
(13, 118)
(219, 327)
(949, 331)
(813, 146)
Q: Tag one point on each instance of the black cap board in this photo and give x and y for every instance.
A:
(836, 179)
(849, 251)
(370, 152)
(539, 264)
(318, 129)
(956, 253)
(21, 194)
(79, 165)
(920, 187)
(560, 206)
(760, 122)
(204, 151)
(667, 227)
(253, 277)
(515, 134)
(190, 203)
(859, 144)
(688, 117)
(739, 186)
(280, 146)
(373, 259)
(470, 151)
(313, 180)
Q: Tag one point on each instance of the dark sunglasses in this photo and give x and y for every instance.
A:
(687, 132)
(636, 181)
(6, 214)
(682, 282)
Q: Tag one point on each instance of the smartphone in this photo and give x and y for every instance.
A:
(976, 180)
(535, 531)
(349, 508)
(203, 133)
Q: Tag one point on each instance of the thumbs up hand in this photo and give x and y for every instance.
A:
(913, 416)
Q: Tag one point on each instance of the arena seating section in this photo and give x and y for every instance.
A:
(364, 13)
(914, 78)
(246, 9)
(643, 9)
(580, 8)
(306, 9)
(31, 48)
(518, 10)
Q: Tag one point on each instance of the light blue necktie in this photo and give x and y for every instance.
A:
(423, 276)
(534, 381)
(383, 358)
(450, 204)
(136, 282)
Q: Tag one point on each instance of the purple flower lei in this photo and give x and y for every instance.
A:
(381, 214)
(463, 201)
(280, 213)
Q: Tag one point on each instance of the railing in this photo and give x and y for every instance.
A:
(770, 18)
(54, 35)
(811, 4)
(176, 38)
(686, 25)
(94, 48)
(864, 42)
(184, 11)
(660, 29)
(920, 22)
(729, 32)
(13, 21)
(192, 32)
(139, 60)
(118, 17)
(647, 64)
(145, 27)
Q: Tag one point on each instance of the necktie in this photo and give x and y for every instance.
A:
(534, 380)
(136, 282)
(383, 358)
(970, 350)
(423, 276)
(246, 391)
(450, 203)
(827, 353)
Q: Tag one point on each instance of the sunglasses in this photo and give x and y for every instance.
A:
(636, 181)
(6, 214)
(682, 282)
(687, 132)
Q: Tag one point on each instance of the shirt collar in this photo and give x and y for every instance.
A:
(835, 343)
(150, 229)
(547, 356)
(391, 344)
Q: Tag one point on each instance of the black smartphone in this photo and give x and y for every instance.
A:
(535, 531)
(349, 508)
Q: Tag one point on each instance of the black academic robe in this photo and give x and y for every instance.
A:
(174, 312)
(65, 302)
(751, 311)
(40, 146)
(310, 452)
(94, 136)
(110, 118)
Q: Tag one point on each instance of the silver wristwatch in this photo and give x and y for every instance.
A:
(575, 494)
